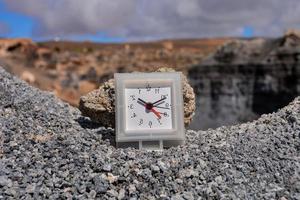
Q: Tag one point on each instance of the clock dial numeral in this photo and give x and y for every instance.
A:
(166, 114)
(139, 90)
(140, 122)
(148, 88)
(156, 90)
(133, 97)
(167, 105)
(164, 96)
(150, 124)
(131, 106)
(133, 115)
(159, 121)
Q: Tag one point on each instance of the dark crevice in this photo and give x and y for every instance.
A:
(231, 94)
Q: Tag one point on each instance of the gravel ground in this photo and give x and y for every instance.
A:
(48, 150)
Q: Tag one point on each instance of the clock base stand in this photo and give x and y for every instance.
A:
(150, 145)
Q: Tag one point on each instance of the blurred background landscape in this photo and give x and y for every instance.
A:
(241, 57)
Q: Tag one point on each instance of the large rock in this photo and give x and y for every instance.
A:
(99, 104)
(7, 46)
(244, 79)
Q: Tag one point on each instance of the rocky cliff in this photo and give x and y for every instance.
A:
(246, 78)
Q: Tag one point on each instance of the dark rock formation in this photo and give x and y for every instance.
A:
(246, 78)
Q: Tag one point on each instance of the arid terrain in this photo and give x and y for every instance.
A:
(235, 80)
(71, 69)
(48, 149)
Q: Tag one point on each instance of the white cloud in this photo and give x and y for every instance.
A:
(142, 19)
(3, 28)
(67, 17)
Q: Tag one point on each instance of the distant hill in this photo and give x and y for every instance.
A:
(71, 69)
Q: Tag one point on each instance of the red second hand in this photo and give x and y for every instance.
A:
(156, 113)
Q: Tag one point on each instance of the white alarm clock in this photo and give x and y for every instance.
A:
(149, 110)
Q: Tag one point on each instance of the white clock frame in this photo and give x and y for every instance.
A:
(149, 139)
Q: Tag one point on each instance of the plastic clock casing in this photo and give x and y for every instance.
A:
(149, 138)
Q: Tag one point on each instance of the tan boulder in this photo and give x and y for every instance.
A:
(292, 32)
(99, 104)
(168, 45)
(28, 77)
(9, 45)
(291, 38)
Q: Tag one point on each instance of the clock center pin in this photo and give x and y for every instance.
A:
(149, 106)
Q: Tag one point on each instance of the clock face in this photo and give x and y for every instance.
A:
(148, 108)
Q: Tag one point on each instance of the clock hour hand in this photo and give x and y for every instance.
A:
(141, 100)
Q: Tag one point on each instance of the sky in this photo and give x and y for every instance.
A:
(144, 20)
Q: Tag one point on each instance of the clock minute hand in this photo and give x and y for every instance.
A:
(159, 101)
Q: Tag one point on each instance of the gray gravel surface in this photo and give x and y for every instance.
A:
(48, 150)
